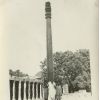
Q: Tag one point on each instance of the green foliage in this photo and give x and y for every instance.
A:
(70, 67)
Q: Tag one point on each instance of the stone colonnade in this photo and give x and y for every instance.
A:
(25, 89)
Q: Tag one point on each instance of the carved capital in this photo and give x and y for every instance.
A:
(47, 10)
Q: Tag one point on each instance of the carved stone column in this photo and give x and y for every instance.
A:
(13, 90)
(19, 96)
(25, 90)
(36, 90)
(31, 90)
(49, 41)
(16, 90)
(40, 91)
(22, 90)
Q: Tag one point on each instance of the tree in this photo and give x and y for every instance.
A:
(10, 72)
(17, 73)
(70, 67)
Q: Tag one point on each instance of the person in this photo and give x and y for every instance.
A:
(45, 92)
(52, 91)
(58, 92)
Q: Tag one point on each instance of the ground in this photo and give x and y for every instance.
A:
(77, 96)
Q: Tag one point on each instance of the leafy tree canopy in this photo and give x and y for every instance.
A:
(17, 73)
(70, 67)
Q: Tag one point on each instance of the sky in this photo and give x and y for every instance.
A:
(23, 30)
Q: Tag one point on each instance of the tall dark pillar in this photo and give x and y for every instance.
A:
(35, 90)
(42, 90)
(49, 41)
(11, 89)
(16, 90)
(31, 90)
(38, 90)
(22, 90)
(27, 90)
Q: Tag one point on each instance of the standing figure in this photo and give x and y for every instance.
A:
(45, 92)
(58, 92)
(52, 91)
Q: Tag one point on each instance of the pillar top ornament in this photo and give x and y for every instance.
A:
(48, 10)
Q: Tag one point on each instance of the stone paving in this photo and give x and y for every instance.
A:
(77, 96)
